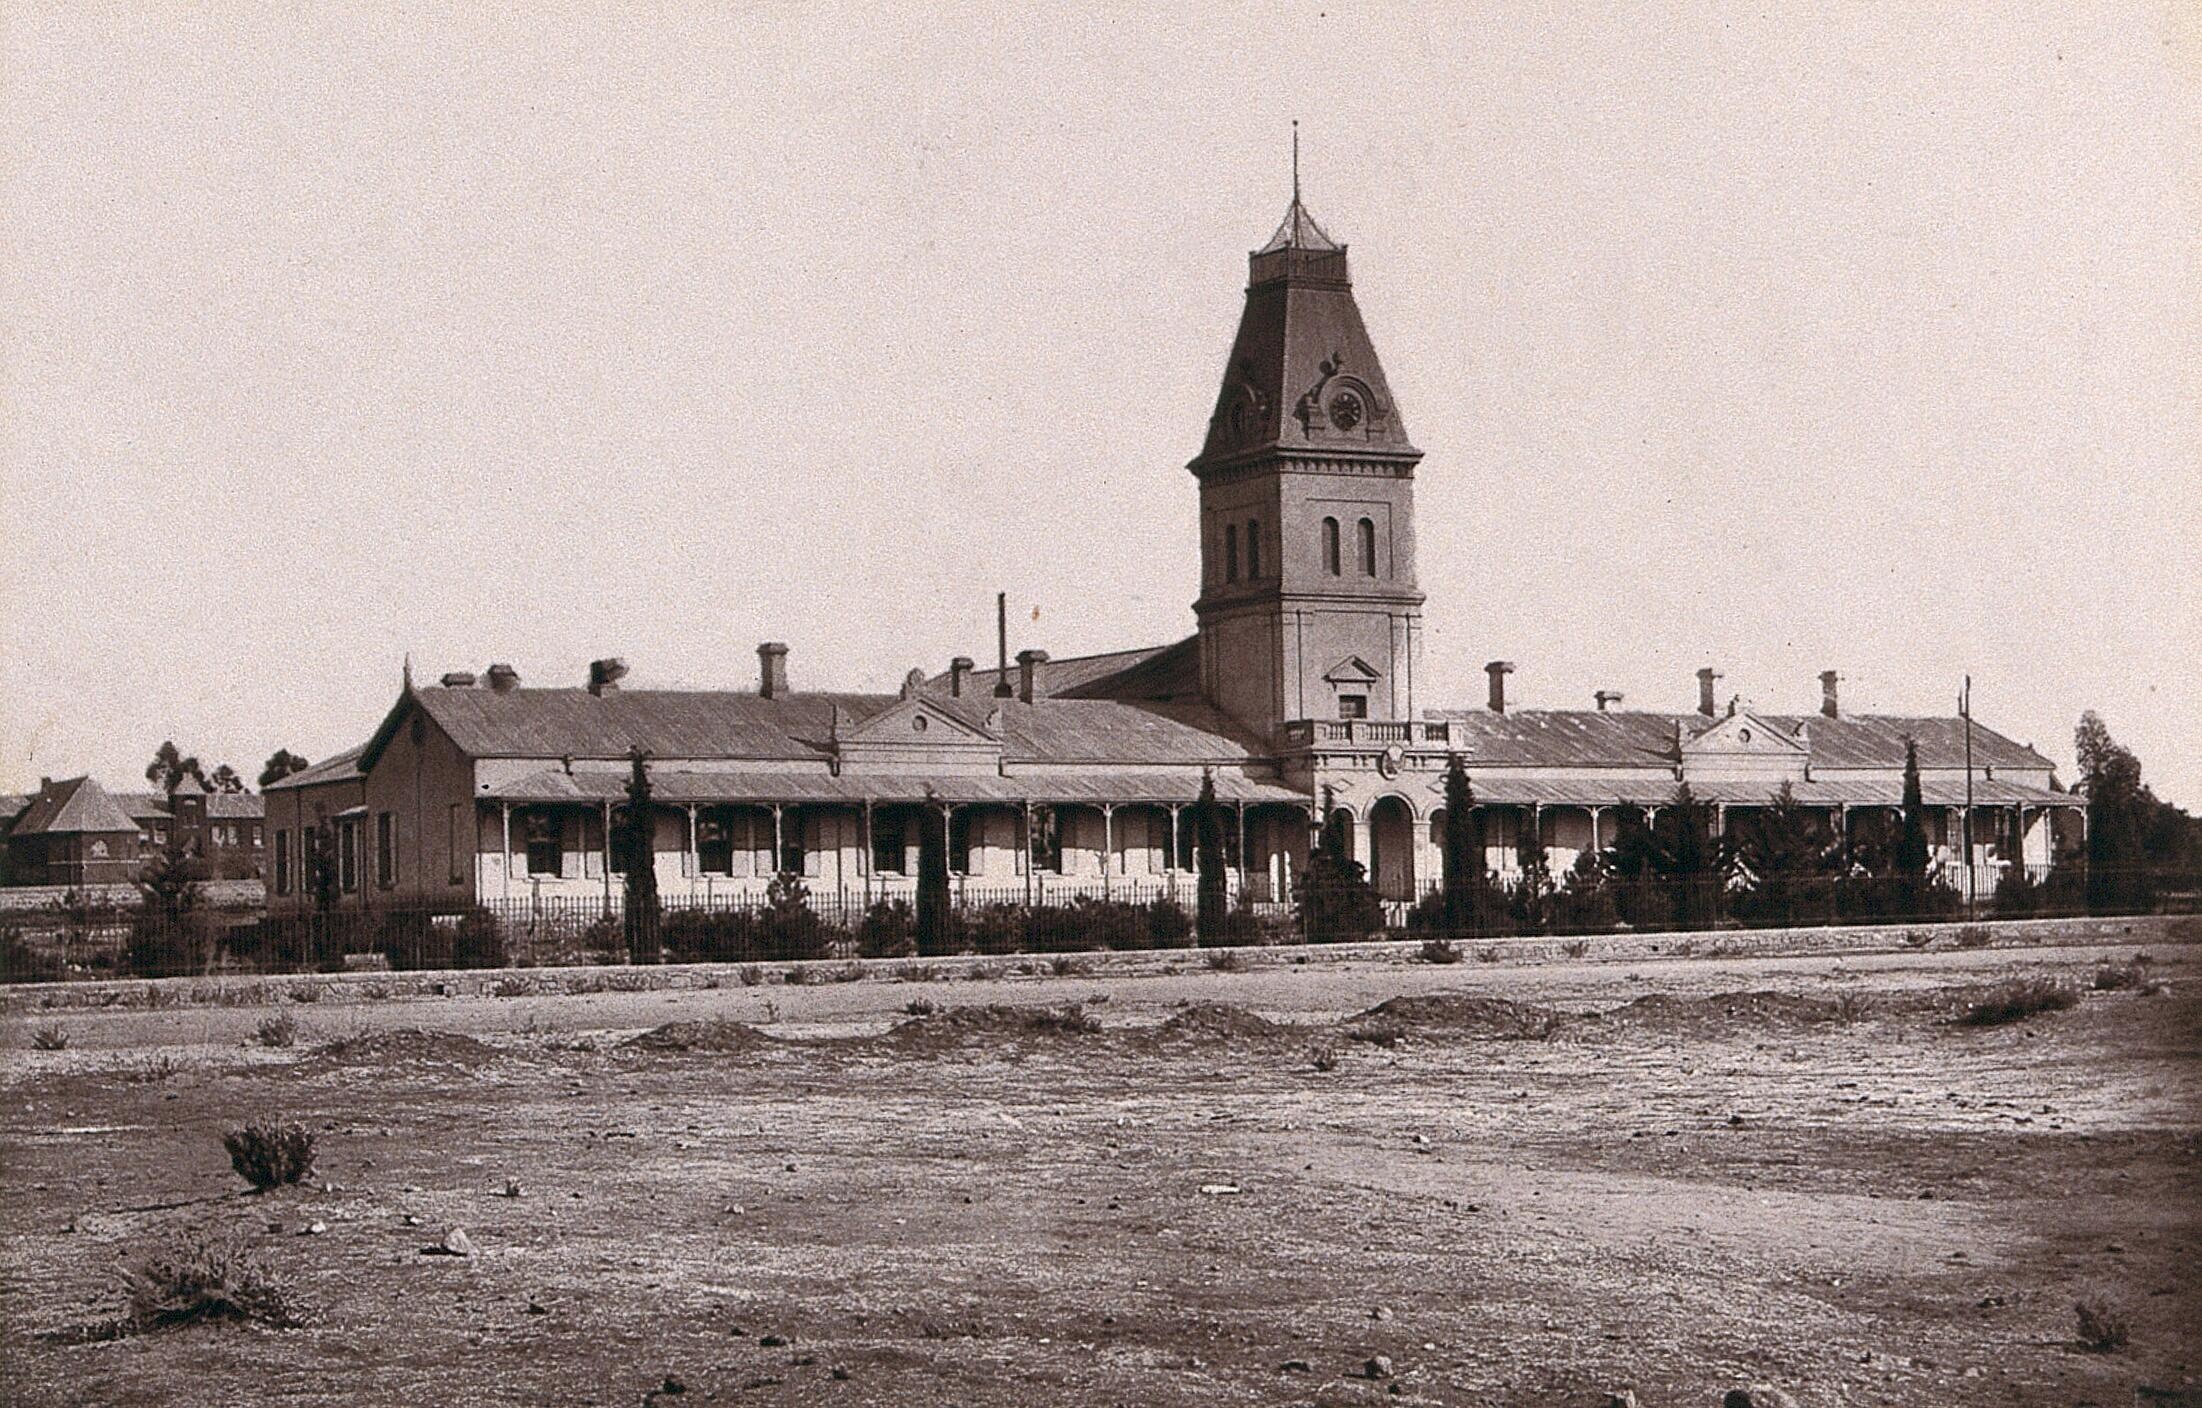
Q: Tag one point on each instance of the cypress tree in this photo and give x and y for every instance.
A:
(1911, 840)
(1462, 857)
(932, 895)
(642, 920)
(1211, 897)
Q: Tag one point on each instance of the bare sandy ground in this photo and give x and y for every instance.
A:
(1791, 1171)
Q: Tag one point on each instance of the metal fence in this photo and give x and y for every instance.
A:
(792, 924)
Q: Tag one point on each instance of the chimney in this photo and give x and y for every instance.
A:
(1607, 699)
(1028, 663)
(1001, 638)
(1498, 670)
(503, 677)
(772, 669)
(1828, 705)
(605, 675)
(458, 679)
(959, 669)
(1708, 683)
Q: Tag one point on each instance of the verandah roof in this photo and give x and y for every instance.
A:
(1093, 788)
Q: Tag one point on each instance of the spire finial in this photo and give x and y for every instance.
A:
(1295, 161)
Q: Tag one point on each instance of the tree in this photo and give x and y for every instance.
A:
(170, 766)
(322, 879)
(1211, 899)
(1529, 901)
(1676, 859)
(281, 764)
(165, 938)
(225, 779)
(1463, 852)
(643, 920)
(2119, 812)
(1908, 865)
(1335, 899)
(1788, 862)
(934, 921)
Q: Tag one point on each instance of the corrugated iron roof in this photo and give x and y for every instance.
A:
(678, 788)
(1503, 790)
(235, 806)
(1632, 738)
(337, 767)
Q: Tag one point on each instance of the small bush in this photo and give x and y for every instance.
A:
(197, 1278)
(1439, 951)
(307, 992)
(1918, 938)
(22, 963)
(983, 972)
(919, 1007)
(888, 930)
(478, 941)
(1489, 953)
(2017, 999)
(750, 974)
(1852, 1007)
(798, 976)
(1065, 965)
(1168, 925)
(151, 1070)
(51, 1037)
(1575, 948)
(278, 1030)
(2119, 977)
(1326, 1060)
(1226, 960)
(2101, 1329)
(513, 987)
(1973, 936)
(850, 972)
(270, 1153)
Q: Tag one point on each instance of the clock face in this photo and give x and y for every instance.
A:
(1345, 410)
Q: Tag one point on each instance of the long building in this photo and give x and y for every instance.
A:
(1300, 693)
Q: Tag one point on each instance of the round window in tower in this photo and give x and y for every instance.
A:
(1345, 410)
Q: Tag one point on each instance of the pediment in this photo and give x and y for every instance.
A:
(1352, 670)
(1746, 733)
(915, 722)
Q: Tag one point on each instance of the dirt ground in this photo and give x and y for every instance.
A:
(1520, 1186)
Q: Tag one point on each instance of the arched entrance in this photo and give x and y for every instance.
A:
(1391, 849)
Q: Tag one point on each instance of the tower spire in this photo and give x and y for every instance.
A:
(1295, 163)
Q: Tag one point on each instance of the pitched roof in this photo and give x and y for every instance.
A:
(674, 786)
(337, 767)
(1633, 738)
(76, 804)
(187, 786)
(144, 806)
(1298, 230)
(1147, 672)
(573, 723)
(235, 806)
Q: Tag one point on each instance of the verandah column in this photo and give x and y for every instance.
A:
(1108, 844)
(606, 841)
(504, 856)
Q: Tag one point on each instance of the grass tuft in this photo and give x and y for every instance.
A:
(197, 1278)
(2101, 1328)
(1225, 960)
(269, 1153)
(2016, 1000)
(51, 1037)
(278, 1030)
(1439, 951)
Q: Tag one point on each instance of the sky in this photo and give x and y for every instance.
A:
(1780, 339)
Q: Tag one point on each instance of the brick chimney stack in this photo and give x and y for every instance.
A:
(1708, 685)
(772, 669)
(959, 670)
(1028, 663)
(1498, 670)
(1829, 705)
(1607, 699)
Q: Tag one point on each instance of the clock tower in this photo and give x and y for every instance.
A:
(1308, 605)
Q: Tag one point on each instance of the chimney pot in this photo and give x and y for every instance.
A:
(959, 669)
(458, 679)
(1028, 663)
(503, 677)
(1708, 684)
(1607, 698)
(1498, 670)
(1829, 705)
(772, 669)
(605, 674)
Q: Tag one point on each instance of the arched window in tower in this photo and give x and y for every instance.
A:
(1230, 552)
(1330, 546)
(1253, 550)
(1366, 532)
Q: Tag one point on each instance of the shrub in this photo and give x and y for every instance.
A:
(1575, 948)
(1326, 1060)
(2118, 977)
(919, 1007)
(21, 962)
(1242, 927)
(151, 1070)
(787, 926)
(604, 940)
(888, 930)
(1853, 1007)
(1226, 960)
(850, 972)
(278, 1030)
(196, 1278)
(478, 941)
(307, 992)
(1489, 953)
(706, 936)
(1973, 936)
(268, 1153)
(162, 946)
(1065, 965)
(2101, 1329)
(51, 1037)
(1439, 951)
(799, 976)
(1168, 925)
(2017, 999)
(411, 942)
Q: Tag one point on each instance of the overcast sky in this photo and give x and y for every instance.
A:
(1778, 338)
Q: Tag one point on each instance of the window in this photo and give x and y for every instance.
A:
(282, 861)
(1253, 550)
(1230, 552)
(890, 842)
(386, 849)
(541, 830)
(347, 857)
(1046, 848)
(1330, 546)
(1367, 534)
(959, 841)
(458, 846)
(1353, 706)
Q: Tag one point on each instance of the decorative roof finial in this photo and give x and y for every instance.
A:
(1295, 161)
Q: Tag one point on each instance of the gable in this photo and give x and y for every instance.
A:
(1745, 734)
(916, 721)
(1352, 670)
